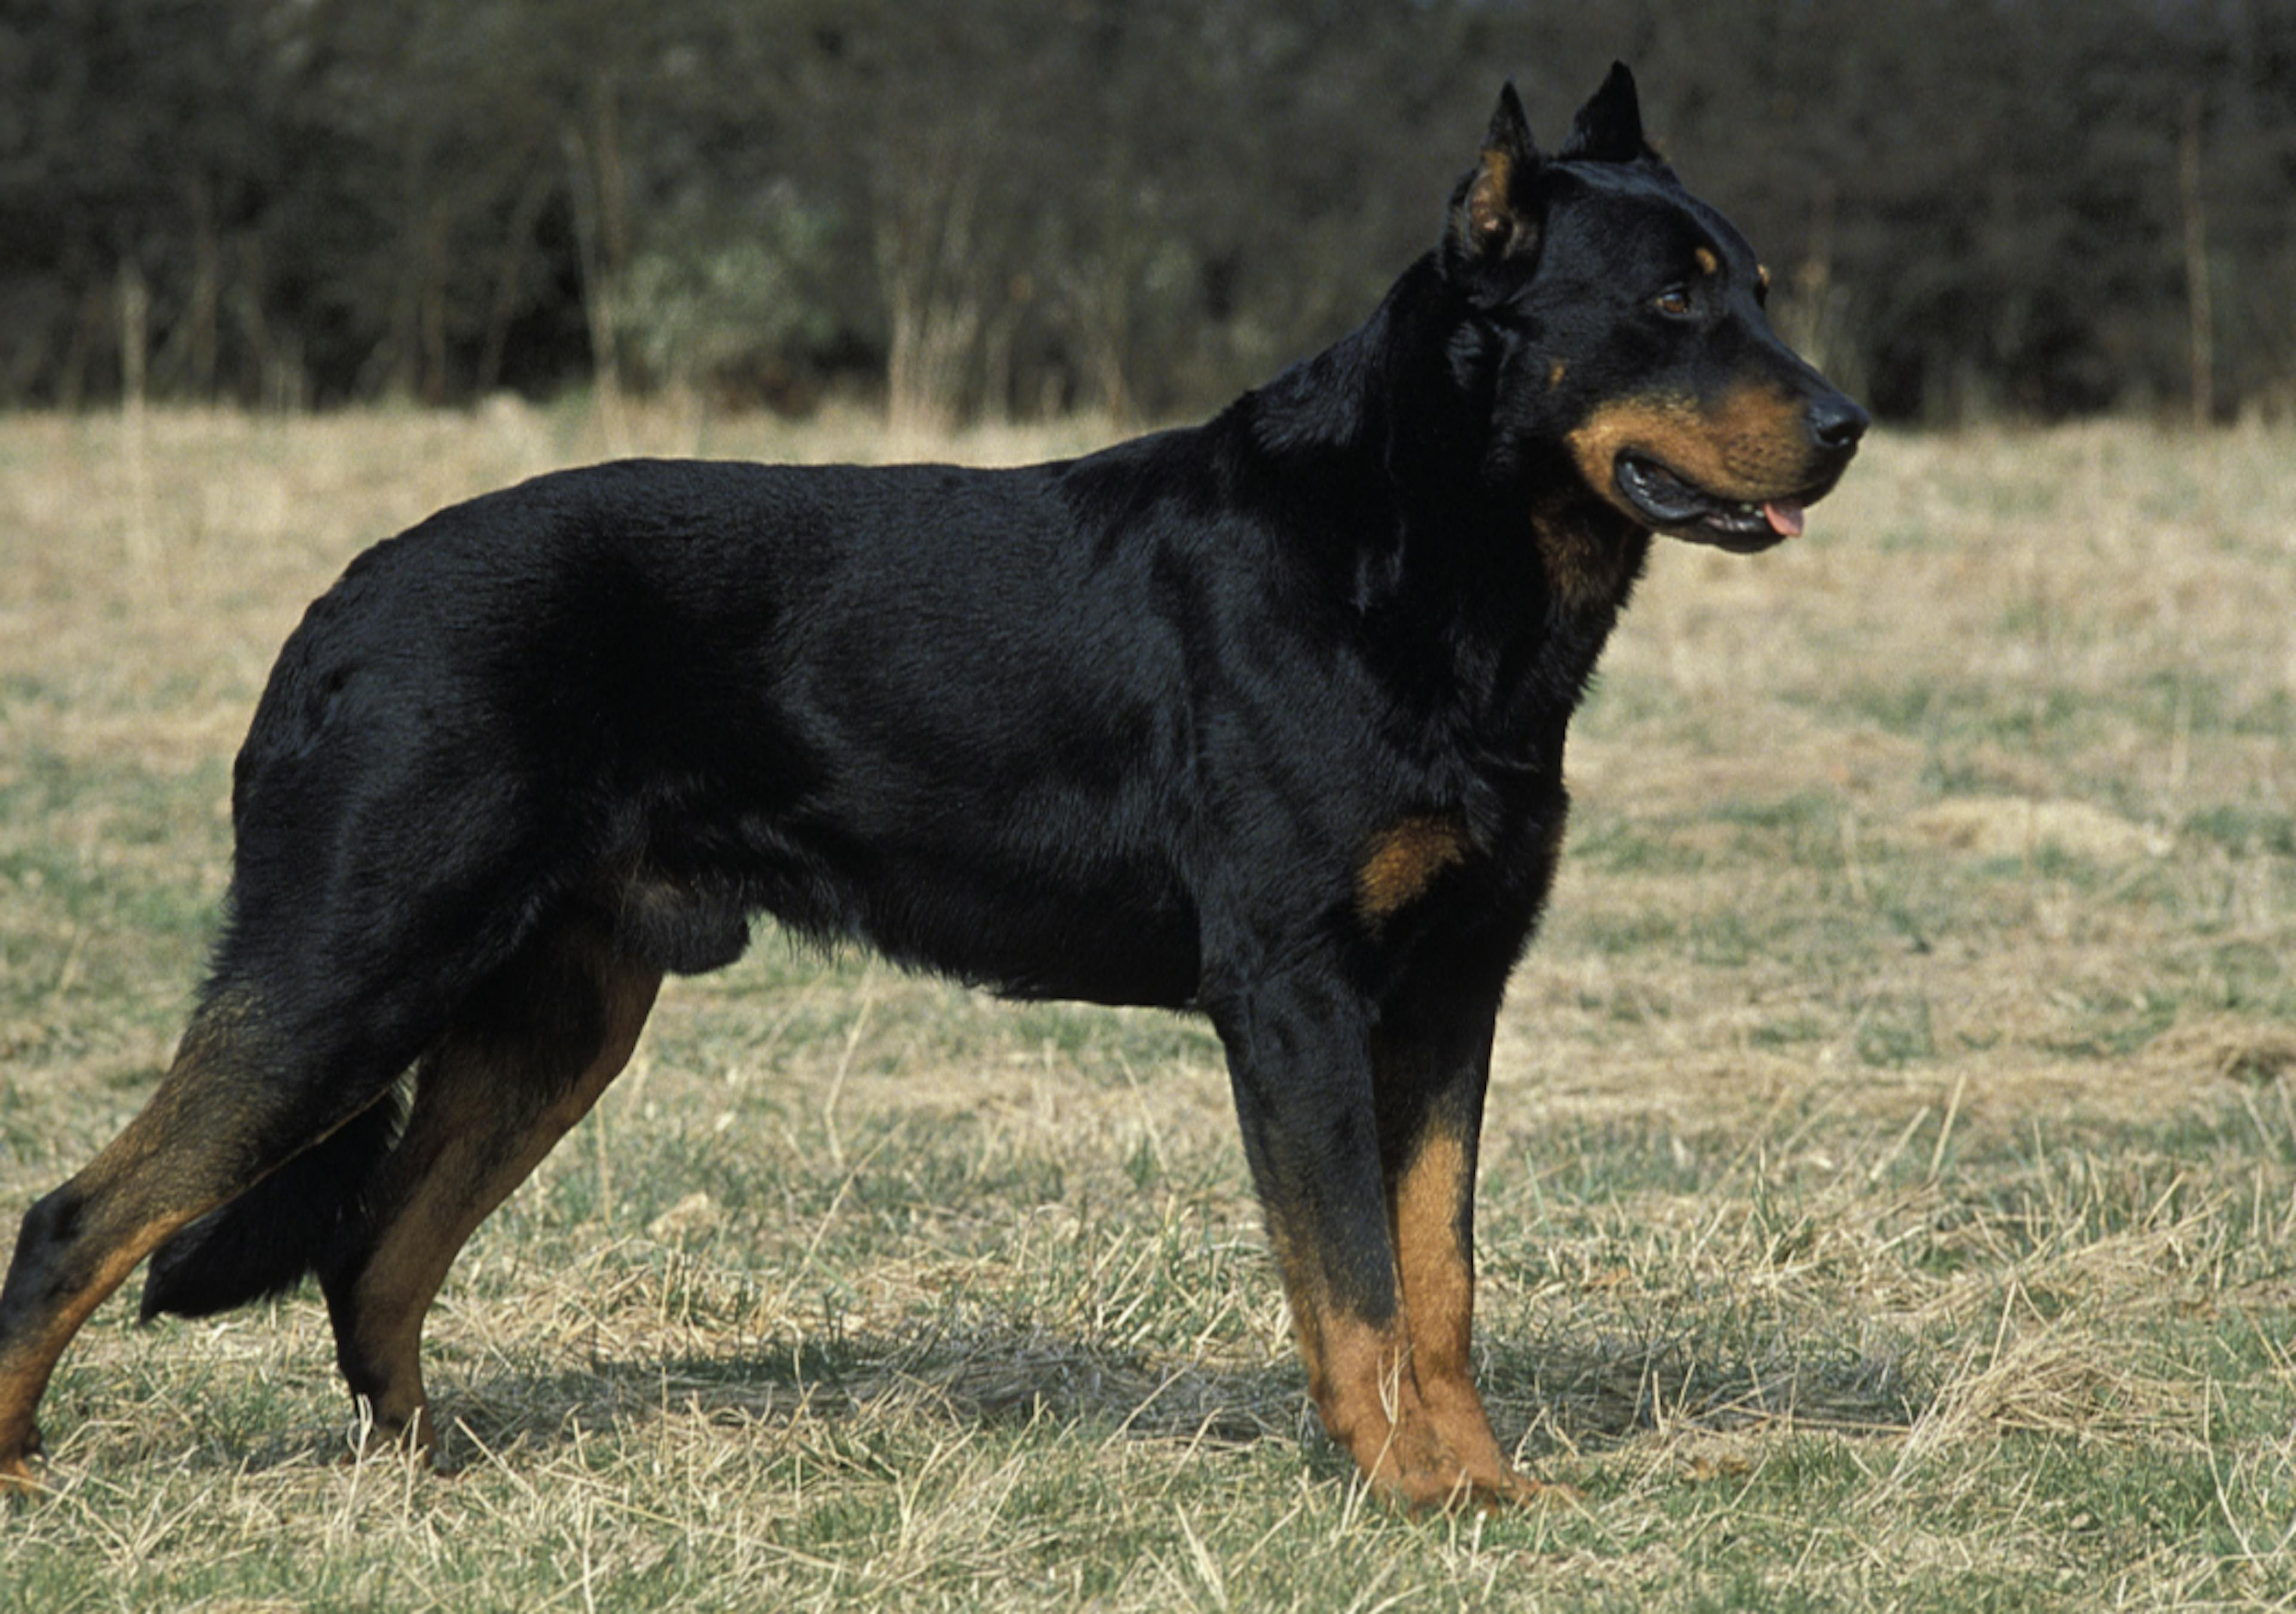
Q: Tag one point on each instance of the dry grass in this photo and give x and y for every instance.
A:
(1892, 1161)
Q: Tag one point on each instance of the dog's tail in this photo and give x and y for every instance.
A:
(263, 1243)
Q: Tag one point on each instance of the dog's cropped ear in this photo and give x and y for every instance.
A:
(1491, 216)
(1609, 128)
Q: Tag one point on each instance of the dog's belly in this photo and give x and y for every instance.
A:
(1111, 930)
(1110, 934)
(1096, 948)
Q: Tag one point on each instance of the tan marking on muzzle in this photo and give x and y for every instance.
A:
(1746, 446)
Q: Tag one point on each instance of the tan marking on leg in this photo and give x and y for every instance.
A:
(448, 1133)
(1439, 1295)
(1439, 1284)
(1364, 1383)
(170, 1164)
(1358, 1372)
(464, 1153)
(26, 1369)
(1404, 861)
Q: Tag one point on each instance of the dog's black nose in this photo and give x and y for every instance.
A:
(1836, 423)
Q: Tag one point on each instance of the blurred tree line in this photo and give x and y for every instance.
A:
(987, 206)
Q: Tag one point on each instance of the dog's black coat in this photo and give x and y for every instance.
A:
(1119, 729)
(1263, 718)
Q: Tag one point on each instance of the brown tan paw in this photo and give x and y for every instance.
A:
(1457, 1489)
(17, 1479)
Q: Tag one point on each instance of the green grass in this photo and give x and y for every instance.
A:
(1890, 1190)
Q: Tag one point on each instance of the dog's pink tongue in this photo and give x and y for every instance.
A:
(1785, 516)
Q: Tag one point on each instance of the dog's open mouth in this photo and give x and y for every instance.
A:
(1674, 505)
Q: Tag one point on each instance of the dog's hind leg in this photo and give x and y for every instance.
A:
(363, 913)
(236, 1103)
(527, 1056)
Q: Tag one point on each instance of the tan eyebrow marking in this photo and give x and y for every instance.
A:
(1762, 275)
(1707, 264)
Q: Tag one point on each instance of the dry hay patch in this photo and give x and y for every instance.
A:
(2017, 827)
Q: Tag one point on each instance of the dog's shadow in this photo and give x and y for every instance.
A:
(980, 1379)
(1545, 1396)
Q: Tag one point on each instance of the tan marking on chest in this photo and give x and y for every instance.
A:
(1404, 860)
(1585, 571)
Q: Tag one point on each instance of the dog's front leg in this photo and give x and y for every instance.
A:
(1301, 1057)
(1430, 1063)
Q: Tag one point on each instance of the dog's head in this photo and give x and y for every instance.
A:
(1612, 313)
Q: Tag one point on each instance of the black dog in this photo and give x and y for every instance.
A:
(1263, 718)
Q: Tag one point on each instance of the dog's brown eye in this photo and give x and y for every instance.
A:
(1674, 302)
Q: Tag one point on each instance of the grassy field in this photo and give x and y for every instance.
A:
(1891, 1160)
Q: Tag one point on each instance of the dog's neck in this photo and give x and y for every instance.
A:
(1495, 558)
